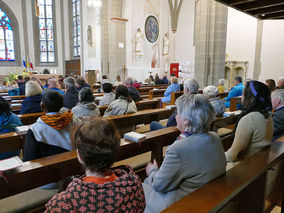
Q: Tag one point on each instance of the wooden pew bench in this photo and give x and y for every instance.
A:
(234, 102)
(156, 93)
(244, 188)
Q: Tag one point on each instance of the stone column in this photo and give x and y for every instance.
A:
(258, 46)
(210, 41)
(113, 32)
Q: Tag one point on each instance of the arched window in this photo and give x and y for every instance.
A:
(75, 27)
(9, 37)
(45, 32)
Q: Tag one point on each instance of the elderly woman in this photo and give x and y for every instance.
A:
(102, 188)
(218, 104)
(195, 158)
(86, 106)
(31, 103)
(174, 87)
(221, 83)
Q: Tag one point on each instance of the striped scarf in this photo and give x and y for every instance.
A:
(58, 121)
(184, 135)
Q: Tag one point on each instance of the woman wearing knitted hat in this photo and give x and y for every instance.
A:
(218, 104)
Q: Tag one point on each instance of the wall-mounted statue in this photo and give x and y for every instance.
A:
(166, 45)
(138, 41)
(89, 36)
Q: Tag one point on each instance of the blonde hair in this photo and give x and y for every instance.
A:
(33, 88)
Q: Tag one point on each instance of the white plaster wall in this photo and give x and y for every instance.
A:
(241, 38)
(272, 63)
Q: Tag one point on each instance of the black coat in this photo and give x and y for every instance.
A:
(134, 94)
(71, 98)
(278, 122)
(31, 105)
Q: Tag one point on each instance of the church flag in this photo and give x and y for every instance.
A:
(28, 64)
(32, 67)
(24, 64)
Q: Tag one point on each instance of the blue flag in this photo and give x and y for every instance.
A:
(24, 64)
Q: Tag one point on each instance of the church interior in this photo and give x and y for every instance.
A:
(141, 106)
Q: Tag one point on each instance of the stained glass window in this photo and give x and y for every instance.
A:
(76, 27)
(46, 30)
(7, 50)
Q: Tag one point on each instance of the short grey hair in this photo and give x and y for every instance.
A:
(280, 81)
(192, 85)
(70, 82)
(197, 110)
(279, 94)
(128, 81)
(210, 91)
(221, 82)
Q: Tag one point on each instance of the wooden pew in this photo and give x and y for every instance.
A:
(174, 96)
(234, 102)
(244, 188)
(156, 93)
(30, 118)
(54, 168)
(18, 97)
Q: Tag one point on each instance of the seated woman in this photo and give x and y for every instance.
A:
(103, 189)
(254, 129)
(13, 89)
(50, 134)
(218, 104)
(195, 158)
(174, 87)
(31, 103)
(123, 104)
(8, 122)
(108, 95)
(87, 105)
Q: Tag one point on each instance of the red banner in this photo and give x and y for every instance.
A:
(174, 69)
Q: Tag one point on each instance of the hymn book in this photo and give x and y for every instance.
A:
(135, 137)
(10, 163)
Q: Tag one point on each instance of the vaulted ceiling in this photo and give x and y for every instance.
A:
(261, 9)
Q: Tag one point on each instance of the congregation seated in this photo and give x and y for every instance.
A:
(118, 81)
(165, 80)
(22, 88)
(31, 104)
(190, 86)
(218, 104)
(133, 92)
(87, 105)
(174, 87)
(254, 129)
(81, 83)
(235, 91)
(123, 104)
(195, 158)
(280, 83)
(271, 84)
(52, 85)
(13, 88)
(8, 122)
(221, 83)
(108, 96)
(277, 99)
(50, 134)
(71, 94)
(103, 189)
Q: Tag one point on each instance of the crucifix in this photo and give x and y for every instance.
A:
(124, 71)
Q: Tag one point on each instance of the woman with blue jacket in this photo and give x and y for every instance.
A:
(174, 87)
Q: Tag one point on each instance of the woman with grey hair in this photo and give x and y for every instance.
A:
(218, 104)
(86, 106)
(195, 158)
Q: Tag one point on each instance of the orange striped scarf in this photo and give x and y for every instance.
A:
(58, 121)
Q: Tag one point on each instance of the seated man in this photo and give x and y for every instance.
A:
(235, 91)
(22, 88)
(71, 95)
(280, 83)
(50, 134)
(277, 99)
(108, 95)
(52, 85)
(190, 87)
(132, 90)
(81, 83)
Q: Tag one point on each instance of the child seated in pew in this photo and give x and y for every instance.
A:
(102, 188)
(8, 122)
(50, 134)
(195, 158)
(108, 94)
(254, 129)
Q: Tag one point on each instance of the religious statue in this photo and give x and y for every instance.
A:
(89, 36)
(138, 41)
(166, 45)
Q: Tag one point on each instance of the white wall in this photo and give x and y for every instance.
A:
(241, 38)
(272, 62)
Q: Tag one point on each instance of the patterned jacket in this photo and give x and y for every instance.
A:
(125, 194)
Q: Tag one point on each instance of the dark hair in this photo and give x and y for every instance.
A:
(80, 81)
(256, 99)
(86, 95)
(107, 87)
(20, 77)
(238, 78)
(46, 71)
(104, 77)
(271, 84)
(27, 79)
(4, 105)
(151, 78)
(52, 101)
(122, 90)
(97, 141)
(173, 75)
